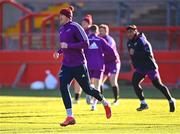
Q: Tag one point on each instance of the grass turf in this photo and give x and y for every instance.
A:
(42, 112)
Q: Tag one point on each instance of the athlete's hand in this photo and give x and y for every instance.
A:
(56, 55)
(131, 51)
(63, 45)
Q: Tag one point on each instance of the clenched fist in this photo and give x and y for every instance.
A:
(55, 55)
(63, 45)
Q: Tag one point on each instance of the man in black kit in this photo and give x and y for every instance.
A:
(143, 61)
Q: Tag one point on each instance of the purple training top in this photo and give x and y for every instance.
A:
(95, 53)
(74, 35)
(112, 44)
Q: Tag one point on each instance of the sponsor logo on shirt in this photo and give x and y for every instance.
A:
(93, 46)
(83, 76)
(60, 75)
(114, 71)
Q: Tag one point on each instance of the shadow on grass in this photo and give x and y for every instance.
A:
(125, 92)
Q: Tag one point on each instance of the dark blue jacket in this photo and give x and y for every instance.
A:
(143, 57)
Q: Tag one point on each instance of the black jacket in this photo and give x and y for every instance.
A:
(142, 58)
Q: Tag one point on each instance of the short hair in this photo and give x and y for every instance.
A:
(68, 12)
(133, 27)
(104, 26)
(88, 18)
(94, 28)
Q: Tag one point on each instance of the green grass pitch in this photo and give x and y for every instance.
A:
(25, 111)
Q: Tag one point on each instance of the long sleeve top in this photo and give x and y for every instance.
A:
(96, 51)
(112, 44)
(143, 57)
(74, 35)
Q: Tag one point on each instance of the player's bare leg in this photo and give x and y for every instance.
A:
(105, 77)
(97, 83)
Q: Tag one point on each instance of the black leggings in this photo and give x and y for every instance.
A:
(81, 75)
(138, 78)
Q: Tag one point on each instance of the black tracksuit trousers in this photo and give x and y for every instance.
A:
(80, 73)
(138, 78)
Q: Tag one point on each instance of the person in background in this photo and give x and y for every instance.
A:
(95, 59)
(50, 81)
(86, 24)
(73, 40)
(112, 66)
(143, 61)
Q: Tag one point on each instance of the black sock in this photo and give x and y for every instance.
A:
(77, 95)
(101, 89)
(116, 92)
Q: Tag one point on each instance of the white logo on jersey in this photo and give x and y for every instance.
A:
(83, 76)
(114, 71)
(93, 46)
(60, 73)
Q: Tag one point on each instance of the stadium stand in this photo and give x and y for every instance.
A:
(153, 16)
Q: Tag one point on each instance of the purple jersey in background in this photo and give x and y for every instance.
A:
(112, 44)
(95, 52)
(112, 66)
(74, 35)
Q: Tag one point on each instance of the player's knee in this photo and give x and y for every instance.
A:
(135, 83)
(114, 83)
(63, 87)
(157, 84)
